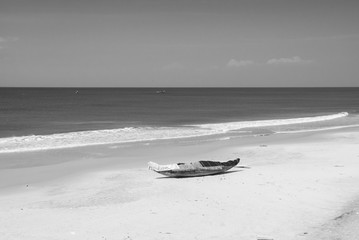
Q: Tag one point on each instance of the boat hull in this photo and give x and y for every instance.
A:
(201, 168)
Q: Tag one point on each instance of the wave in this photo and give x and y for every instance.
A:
(95, 137)
(139, 134)
(220, 127)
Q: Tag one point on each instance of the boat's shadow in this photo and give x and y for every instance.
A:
(215, 174)
(242, 167)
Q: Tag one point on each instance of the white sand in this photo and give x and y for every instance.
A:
(294, 187)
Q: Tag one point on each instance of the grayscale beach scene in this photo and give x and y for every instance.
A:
(161, 119)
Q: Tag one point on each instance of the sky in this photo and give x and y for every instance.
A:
(172, 43)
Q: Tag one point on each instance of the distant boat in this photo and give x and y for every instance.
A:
(200, 168)
(161, 91)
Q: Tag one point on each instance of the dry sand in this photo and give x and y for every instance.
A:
(288, 186)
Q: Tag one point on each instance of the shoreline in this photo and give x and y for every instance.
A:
(80, 160)
(137, 135)
(291, 186)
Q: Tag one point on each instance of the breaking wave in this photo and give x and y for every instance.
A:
(225, 127)
(139, 134)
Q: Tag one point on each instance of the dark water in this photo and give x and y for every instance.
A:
(30, 111)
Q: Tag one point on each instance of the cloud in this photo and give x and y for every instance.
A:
(242, 63)
(8, 39)
(4, 40)
(333, 37)
(285, 61)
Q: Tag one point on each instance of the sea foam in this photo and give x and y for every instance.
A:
(231, 126)
(138, 134)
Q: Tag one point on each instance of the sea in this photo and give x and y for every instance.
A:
(38, 119)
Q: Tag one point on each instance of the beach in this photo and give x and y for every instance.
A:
(287, 186)
(99, 98)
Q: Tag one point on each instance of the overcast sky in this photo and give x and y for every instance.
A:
(179, 43)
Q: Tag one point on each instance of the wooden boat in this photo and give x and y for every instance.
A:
(200, 168)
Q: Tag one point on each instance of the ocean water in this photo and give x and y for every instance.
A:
(48, 118)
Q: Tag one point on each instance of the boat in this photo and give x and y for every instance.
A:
(161, 91)
(193, 169)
